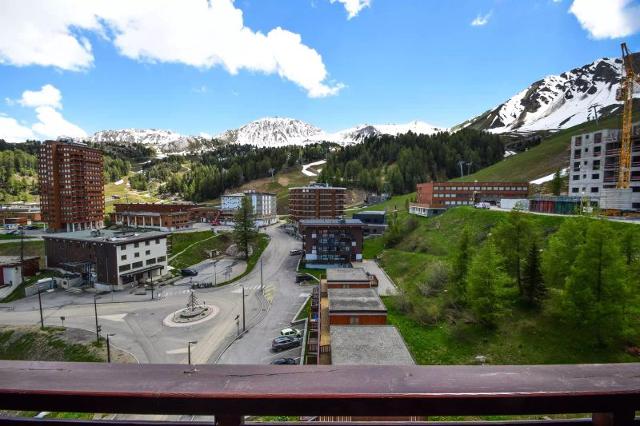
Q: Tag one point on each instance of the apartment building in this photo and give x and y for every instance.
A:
(109, 259)
(264, 206)
(163, 217)
(331, 242)
(435, 197)
(316, 201)
(71, 186)
(594, 164)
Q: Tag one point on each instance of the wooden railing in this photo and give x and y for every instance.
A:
(230, 392)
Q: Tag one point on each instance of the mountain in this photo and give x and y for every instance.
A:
(558, 101)
(163, 141)
(275, 131)
(272, 132)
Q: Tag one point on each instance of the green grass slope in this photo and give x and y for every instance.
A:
(552, 154)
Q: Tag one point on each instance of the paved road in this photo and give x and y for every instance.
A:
(137, 320)
(279, 267)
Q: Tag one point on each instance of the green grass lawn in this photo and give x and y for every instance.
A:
(31, 248)
(196, 247)
(13, 237)
(372, 247)
(31, 343)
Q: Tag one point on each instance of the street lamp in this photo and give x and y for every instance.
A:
(193, 342)
(62, 318)
(237, 318)
(40, 305)
(109, 347)
(95, 310)
(243, 317)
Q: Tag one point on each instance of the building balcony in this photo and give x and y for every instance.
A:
(609, 392)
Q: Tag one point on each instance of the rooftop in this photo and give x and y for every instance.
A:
(14, 260)
(107, 235)
(321, 222)
(355, 299)
(318, 186)
(347, 274)
(372, 212)
(368, 345)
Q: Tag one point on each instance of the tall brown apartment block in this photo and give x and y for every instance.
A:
(317, 201)
(71, 186)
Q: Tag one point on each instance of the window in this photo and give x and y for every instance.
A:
(135, 245)
(137, 254)
(597, 138)
(151, 261)
(123, 247)
(123, 257)
(354, 320)
(574, 190)
(161, 259)
(594, 189)
(595, 176)
(147, 252)
(576, 177)
(137, 265)
(596, 164)
(146, 243)
(157, 240)
(123, 268)
(597, 150)
(576, 166)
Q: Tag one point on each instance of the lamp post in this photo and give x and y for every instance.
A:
(109, 347)
(193, 342)
(151, 276)
(261, 282)
(95, 310)
(237, 318)
(40, 306)
(62, 318)
(243, 317)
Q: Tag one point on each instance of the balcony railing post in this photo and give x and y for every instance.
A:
(229, 420)
(618, 418)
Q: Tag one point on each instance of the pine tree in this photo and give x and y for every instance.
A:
(533, 286)
(513, 237)
(596, 293)
(460, 266)
(485, 282)
(556, 183)
(244, 232)
(562, 250)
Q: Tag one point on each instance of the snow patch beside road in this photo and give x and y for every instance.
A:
(548, 178)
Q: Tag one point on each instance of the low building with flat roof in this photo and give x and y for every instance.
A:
(368, 345)
(118, 259)
(350, 278)
(375, 221)
(354, 306)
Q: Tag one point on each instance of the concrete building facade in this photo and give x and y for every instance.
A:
(316, 201)
(331, 242)
(13, 269)
(594, 166)
(118, 259)
(264, 206)
(164, 217)
(71, 186)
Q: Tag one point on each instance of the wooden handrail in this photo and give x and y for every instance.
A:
(232, 391)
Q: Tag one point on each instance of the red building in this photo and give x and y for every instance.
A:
(356, 306)
(71, 186)
(434, 197)
(317, 201)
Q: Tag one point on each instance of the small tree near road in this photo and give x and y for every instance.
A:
(244, 231)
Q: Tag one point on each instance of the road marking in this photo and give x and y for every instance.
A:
(177, 351)
(303, 295)
(114, 317)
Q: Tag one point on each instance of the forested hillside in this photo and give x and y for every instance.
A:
(397, 164)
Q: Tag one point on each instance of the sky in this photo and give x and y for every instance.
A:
(74, 67)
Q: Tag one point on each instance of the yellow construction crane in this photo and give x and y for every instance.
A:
(629, 79)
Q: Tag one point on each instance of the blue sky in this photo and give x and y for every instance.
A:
(392, 61)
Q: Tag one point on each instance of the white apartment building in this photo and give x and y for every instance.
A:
(264, 206)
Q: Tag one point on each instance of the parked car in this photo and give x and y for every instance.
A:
(187, 272)
(301, 278)
(285, 342)
(284, 361)
(482, 205)
(290, 332)
(295, 252)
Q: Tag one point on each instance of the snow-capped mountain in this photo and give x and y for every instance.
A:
(272, 132)
(558, 101)
(164, 141)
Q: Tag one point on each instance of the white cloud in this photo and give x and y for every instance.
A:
(51, 124)
(197, 33)
(205, 135)
(12, 131)
(607, 19)
(48, 95)
(353, 7)
(481, 20)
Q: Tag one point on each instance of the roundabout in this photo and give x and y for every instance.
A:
(195, 312)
